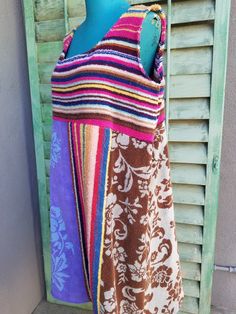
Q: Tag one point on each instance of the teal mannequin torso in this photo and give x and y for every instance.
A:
(96, 25)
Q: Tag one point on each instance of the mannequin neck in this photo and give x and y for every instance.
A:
(105, 6)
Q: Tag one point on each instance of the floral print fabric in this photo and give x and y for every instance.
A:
(140, 262)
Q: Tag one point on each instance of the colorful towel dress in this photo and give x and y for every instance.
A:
(113, 240)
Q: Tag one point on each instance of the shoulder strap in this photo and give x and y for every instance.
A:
(158, 61)
(126, 34)
(158, 68)
(66, 43)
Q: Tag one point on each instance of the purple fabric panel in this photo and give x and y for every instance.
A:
(67, 279)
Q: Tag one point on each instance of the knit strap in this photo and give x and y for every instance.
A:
(158, 68)
(66, 43)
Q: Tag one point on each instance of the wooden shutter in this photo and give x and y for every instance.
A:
(196, 54)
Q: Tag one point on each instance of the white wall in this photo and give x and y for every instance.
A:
(21, 285)
(224, 283)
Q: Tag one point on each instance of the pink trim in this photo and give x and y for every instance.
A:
(116, 127)
(161, 118)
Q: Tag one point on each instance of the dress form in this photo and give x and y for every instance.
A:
(99, 19)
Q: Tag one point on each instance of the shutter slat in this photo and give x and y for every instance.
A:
(191, 270)
(190, 108)
(191, 288)
(191, 61)
(188, 194)
(48, 10)
(53, 30)
(189, 233)
(200, 35)
(189, 214)
(190, 86)
(190, 305)
(188, 131)
(188, 173)
(188, 152)
(189, 252)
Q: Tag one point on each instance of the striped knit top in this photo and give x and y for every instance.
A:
(107, 86)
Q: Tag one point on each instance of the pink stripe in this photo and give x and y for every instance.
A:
(122, 34)
(79, 174)
(120, 24)
(113, 126)
(161, 117)
(90, 148)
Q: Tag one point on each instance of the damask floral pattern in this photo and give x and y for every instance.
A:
(55, 149)
(59, 245)
(140, 262)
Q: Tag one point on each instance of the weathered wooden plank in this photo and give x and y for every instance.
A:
(75, 21)
(188, 131)
(46, 112)
(190, 270)
(196, 60)
(53, 30)
(76, 8)
(49, 52)
(190, 305)
(197, 35)
(220, 53)
(48, 10)
(188, 194)
(188, 173)
(191, 288)
(47, 133)
(189, 252)
(190, 86)
(189, 214)
(45, 72)
(199, 10)
(189, 233)
(45, 93)
(188, 152)
(189, 108)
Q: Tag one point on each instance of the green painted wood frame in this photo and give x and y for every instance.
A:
(218, 79)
